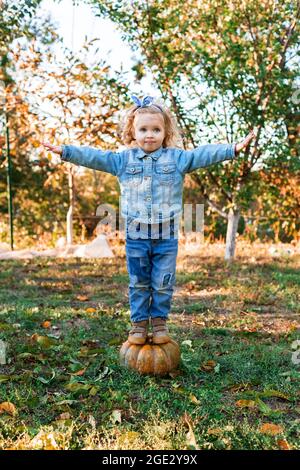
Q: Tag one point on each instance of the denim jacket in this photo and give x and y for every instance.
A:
(151, 184)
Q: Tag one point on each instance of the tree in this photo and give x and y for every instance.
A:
(86, 100)
(68, 101)
(231, 64)
(16, 22)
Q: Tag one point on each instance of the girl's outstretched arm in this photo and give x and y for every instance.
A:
(103, 160)
(206, 155)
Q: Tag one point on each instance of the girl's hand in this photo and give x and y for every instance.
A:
(245, 143)
(53, 148)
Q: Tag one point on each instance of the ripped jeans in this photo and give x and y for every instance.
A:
(151, 265)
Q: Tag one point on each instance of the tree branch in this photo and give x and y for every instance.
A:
(197, 179)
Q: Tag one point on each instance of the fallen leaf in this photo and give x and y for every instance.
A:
(246, 403)
(65, 402)
(92, 421)
(190, 285)
(240, 387)
(214, 431)
(65, 416)
(221, 353)
(293, 327)
(47, 380)
(274, 393)
(43, 341)
(265, 409)
(283, 444)
(116, 416)
(80, 372)
(85, 352)
(76, 387)
(194, 399)
(208, 366)
(45, 441)
(104, 374)
(9, 408)
(270, 429)
(190, 437)
(115, 341)
(83, 298)
(93, 391)
(90, 310)
(177, 387)
(4, 378)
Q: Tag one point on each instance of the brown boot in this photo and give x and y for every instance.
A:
(138, 333)
(160, 331)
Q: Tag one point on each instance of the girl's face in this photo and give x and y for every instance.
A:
(149, 131)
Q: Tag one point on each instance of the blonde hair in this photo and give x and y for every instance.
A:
(172, 137)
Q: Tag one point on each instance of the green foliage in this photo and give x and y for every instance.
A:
(70, 101)
(231, 65)
(223, 68)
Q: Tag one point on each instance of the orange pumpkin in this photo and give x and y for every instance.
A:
(149, 358)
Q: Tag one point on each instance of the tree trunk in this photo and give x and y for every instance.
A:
(232, 226)
(71, 207)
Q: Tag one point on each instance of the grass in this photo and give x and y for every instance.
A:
(236, 324)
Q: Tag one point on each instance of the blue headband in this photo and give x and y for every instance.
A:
(146, 101)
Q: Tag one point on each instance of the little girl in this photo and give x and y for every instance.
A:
(151, 173)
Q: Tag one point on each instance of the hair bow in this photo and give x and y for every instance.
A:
(146, 101)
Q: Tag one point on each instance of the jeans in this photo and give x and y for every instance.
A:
(151, 265)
